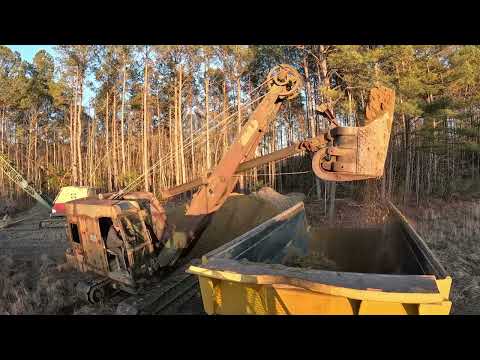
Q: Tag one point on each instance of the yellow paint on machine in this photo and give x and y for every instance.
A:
(228, 294)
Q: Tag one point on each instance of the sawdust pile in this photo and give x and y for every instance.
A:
(239, 214)
(35, 287)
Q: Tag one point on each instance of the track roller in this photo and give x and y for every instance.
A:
(93, 292)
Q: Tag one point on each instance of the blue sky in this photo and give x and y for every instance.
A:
(27, 52)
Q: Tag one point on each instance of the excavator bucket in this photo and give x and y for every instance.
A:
(358, 153)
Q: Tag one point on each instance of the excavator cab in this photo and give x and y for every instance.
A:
(88, 224)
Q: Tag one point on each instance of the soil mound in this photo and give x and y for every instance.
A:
(239, 214)
(314, 260)
(281, 202)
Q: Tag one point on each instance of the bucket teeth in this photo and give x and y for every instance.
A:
(358, 153)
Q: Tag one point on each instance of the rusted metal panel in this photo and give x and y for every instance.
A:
(91, 207)
(92, 243)
(156, 217)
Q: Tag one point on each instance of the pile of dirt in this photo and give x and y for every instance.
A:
(35, 287)
(239, 214)
(100, 309)
(10, 207)
(313, 260)
(281, 202)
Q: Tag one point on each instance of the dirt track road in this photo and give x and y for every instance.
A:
(25, 240)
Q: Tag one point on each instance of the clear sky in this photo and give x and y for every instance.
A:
(27, 52)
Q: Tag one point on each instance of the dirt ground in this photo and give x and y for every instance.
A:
(33, 279)
(25, 240)
(32, 282)
(11, 207)
(451, 230)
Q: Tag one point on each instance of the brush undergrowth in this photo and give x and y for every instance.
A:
(34, 287)
(452, 231)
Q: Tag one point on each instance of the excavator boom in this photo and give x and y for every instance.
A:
(285, 83)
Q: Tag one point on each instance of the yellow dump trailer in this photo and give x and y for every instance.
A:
(386, 269)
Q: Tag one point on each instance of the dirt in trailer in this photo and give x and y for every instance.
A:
(35, 280)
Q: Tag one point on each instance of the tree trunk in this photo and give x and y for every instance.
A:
(122, 124)
(162, 173)
(107, 145)
(170, 132)
(79, 132)
(177, 155)
(73, 138)
(406, 123)
(193, 172)
(225, 115)
(114, 142)
(417, 182)
(326, 84)
(207, 111)
(93, 137)
(331, 209)
(239, 125)
(145, 127)
(180, 125)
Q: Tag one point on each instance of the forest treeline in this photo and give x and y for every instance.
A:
(170, 112)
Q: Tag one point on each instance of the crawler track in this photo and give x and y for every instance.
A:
(176, 293)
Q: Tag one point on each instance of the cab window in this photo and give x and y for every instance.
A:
(133, 227)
